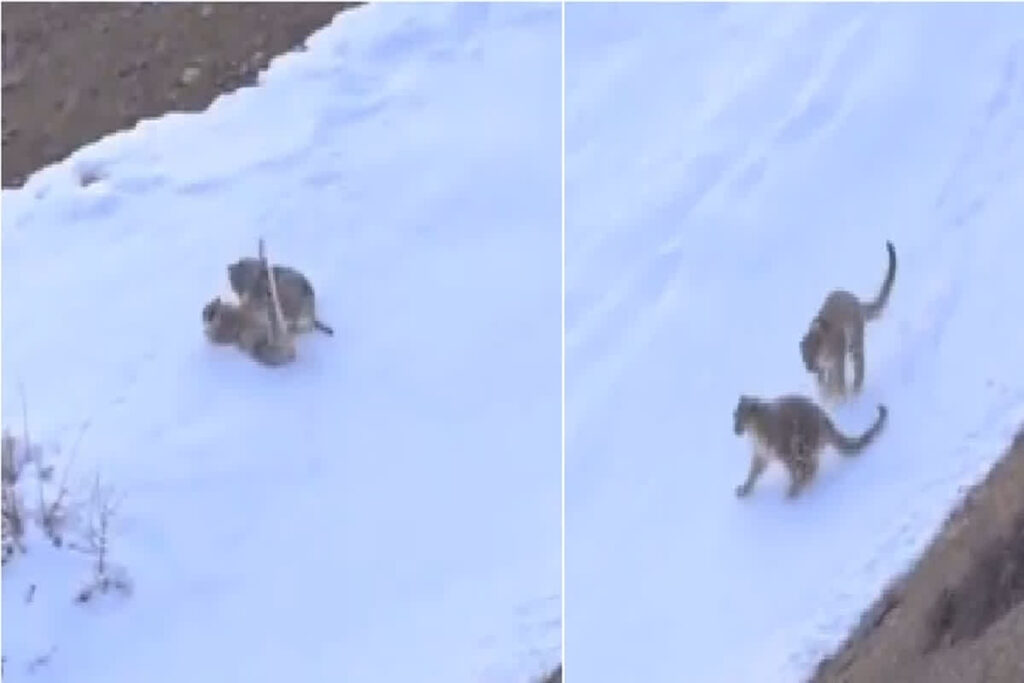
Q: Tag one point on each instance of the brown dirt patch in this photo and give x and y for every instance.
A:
(958, 616)
(74, 72)
(555, 676)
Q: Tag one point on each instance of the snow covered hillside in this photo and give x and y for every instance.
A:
(385, 509)
(726, 166)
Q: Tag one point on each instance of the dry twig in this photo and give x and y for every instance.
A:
(96, 542)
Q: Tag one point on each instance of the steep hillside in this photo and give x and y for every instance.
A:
(726, 167)
(384, 509)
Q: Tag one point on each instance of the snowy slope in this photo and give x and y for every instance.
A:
(725, 167)
(385, 509)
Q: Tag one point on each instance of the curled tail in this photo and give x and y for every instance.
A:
(851, 446)
(326, 329)
(873, 310)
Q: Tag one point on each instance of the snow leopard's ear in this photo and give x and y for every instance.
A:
(745, 408)
(210, 309)
(811, 342)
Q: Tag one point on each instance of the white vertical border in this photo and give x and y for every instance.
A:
(563, 343)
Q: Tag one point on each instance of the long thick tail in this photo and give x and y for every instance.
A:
(326, 329)
(874, 309)
(852, 446)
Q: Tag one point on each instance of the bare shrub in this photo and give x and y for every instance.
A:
(106, 577)
(54, 512)
(13, 523)
(13, 531)
(11, 467)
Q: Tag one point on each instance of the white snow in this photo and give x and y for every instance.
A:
(385, 509)
(726, 166)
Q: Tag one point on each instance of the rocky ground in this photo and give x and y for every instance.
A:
(73, 72)
(958, 617)
(555, 677)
